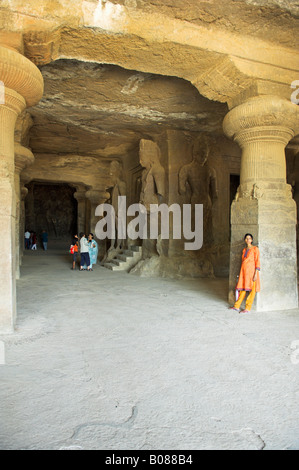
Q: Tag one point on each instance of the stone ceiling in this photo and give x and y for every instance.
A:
(90, 108)
(105, 110)
(273, 20)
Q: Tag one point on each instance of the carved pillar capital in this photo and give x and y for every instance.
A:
(97, 196)
(80, 195)
(21, 75)
(262, 126)
(23, 158)
(24, 192)
(262, 117)
(11, 101)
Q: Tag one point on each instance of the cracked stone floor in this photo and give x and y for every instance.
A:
(108, 360)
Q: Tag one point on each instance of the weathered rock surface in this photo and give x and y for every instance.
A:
(105, 110)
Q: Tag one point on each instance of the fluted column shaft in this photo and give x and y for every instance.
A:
(23, 158)
(263, 206)
(23, 86)
(14, 104)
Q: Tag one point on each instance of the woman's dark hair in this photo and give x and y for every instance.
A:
(91, 234)
(82, 234)
(248, 235)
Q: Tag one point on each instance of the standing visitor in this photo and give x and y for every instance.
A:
(84, 251)
(45, 240)
(93, 250)
(31, 240)
(74, 250)
(249, 280)
(27, 240)
(34, 241)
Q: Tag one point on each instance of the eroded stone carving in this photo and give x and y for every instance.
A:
(153, 176)
(118, 188)
(153, 186)
(200, 179)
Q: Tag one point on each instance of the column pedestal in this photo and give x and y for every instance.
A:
(271, 219)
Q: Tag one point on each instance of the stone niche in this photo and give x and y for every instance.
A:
(51, 207)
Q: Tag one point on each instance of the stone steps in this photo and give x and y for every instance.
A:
(125, 260)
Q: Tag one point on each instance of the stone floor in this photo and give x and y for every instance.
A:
(107, 360)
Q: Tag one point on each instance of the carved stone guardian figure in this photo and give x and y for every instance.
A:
(199, 179)
(118, 188)
(153, 185)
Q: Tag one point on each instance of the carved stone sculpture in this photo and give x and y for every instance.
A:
(118, 188)
(153, 185)
(200, 179)
(153, 176)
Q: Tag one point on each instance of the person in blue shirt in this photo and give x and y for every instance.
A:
(93, 250)
(45, 240)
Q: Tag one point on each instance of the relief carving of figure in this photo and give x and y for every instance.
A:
(153, 185)
(200, 179)
(153, 176)
(118, 188)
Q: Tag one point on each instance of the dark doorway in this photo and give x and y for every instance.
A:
(234, 183)
(51, 207)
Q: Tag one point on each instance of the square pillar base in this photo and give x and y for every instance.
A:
(272, 222)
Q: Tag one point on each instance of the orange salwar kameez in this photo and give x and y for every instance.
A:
(250, 263)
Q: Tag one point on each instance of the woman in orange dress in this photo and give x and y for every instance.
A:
(249, 280)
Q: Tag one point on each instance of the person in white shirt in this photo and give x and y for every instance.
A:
(84, 251)
(27, 240)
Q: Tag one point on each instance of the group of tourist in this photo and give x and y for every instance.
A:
(31, 240)
(248, 281)
(88, 250)
(87, 247)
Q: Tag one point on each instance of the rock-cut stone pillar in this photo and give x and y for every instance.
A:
(21, 86)
(97, 197)
(80, 196)
(23, 158)
(23, 193)
(263, 206)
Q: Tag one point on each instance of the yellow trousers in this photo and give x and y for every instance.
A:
(249, 300)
